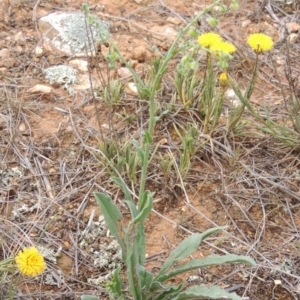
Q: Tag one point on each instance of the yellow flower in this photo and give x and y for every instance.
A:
(30, 262)
(208, 39)
(260, 42)
(225, 47)
(223, 79)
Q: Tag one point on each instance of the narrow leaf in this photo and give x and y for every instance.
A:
(146, 207)
(172, 291)
(204, 292)
(145, 277)
(133, 210)
(112, 216)
(140, 151)
(147, 137)
(185, 248)
(133, 282)
(117, 281)
(140, 244)
(124, 188)
(206, 262)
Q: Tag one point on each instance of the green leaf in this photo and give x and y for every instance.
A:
(145, 277)
(164, 113)
(112, 216)
(168, 292)
(133, 282)
(140, 151)
(124, 187)
(140, 244)
(128, 198)
(206, 262)
(117, 281)
(204, 292)
(147, 137)
(133, 210)
(146, 206)
(185, 248)
(87, 297)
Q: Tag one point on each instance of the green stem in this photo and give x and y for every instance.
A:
(170, 54)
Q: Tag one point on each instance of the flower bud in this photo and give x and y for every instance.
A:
(193, 33)
(213, 22)
(234, 6)
(223, 9)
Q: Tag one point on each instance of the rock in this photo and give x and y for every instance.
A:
(22, 127)
(40, 88)
(4, 53)
(19, 39)
(83, 82)
(65, 33)
(69, 129)
(131, 88)
(233, 98)
(245, 23)
(38, 51)
(164, 34)
(292, 27)
(124, 72)
(79, 64)
(52, 171)
(62, 74)
(293, 38)
(18, 49)
(175, 21)
(280, 61)
(3, 70)
(230, 94)
(163, 141)
(139, 68)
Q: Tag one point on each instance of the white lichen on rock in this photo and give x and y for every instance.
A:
(63, 75)
(54, 278)
(79, 33)
(108, 255)
(9, 176)
(49, 254)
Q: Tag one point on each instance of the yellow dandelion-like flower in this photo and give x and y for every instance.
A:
(208, 39)
(30, 262)
(260, 42)
(225, 47)
(223, 79)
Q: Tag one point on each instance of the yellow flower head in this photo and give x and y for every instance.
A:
(30, 262)
(225, 47)
(223, 79)
(208, 39)
(260, 42)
